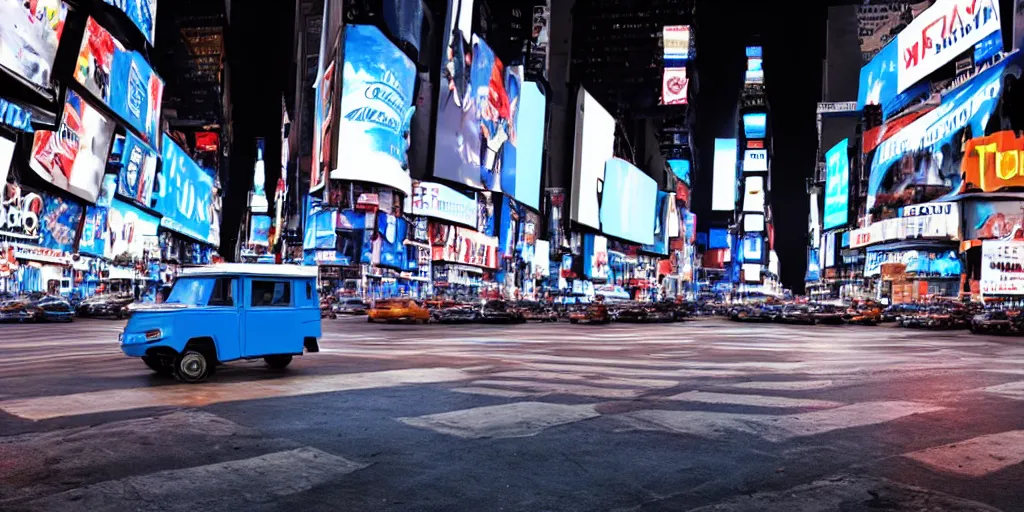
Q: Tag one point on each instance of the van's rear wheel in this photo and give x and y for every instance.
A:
(192, 366)
(278, 362)
(154, 363)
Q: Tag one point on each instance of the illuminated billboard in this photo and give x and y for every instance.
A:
(723, 191)
(753, 222)
(837, 185)
(755, 71)
(755, 126)
(674, 84)
(681, 170)
(753, 194)
(595, 138)
(627, 213)
(755, 160)
(676, 43)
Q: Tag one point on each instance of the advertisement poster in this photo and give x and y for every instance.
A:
(21, 212)
(441, 202)
(142, 13)
(595, 140)
(184, 194)
(880, 22)
(485, 213)
(1002, 267)
(94, 228)
(755, 126)
(993, 162)
(676, 43)
(627, 213)
(595, 256)
(259, 230)
(376, 109)
(994, 220)
(138, 171)
(755, 160)
(522, 179)
(923, 161)
(320, 226)
(661, 224)
(461, 245)
(837, 185)
(503, 170)
(121, 79)
(323, 118)
(58, 224)
(681, 170)
(131, 232)
(392, 232)
(674, 85)
(457, 158)
(538, 63)
(74, 157)
(491, 103)
(29, 35)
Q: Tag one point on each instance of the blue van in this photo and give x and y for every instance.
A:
(221, 313)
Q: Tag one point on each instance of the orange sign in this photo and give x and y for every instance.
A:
(993, 162)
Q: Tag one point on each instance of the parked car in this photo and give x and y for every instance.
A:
(864, 314)
(537, 312)
(50, 308)
(827, 314)
(222, 313)
(351, 306)
(592, 314)
(455, 314)
(14, 310)
(500, 312)
(795, 314)
(398, 309)
(106, 305)
(994, 322)
(750, 313)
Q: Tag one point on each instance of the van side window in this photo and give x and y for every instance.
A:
(309, 290)
(223, 293)
(271, 293)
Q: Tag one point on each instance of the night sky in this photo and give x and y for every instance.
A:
(259, 47)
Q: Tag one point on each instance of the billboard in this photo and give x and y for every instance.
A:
(74, 157)
(755, 125)
(878, 82)
(259, 230)
(441, 202)
(681, 170)
(674, 85)
(95, 230)
(138, 171)
(753, 222)
(752, 272)
(461, 245)
(940, 34)
(376, 110)
(595, 256)
(626, 212)
(184, 194)
(142, 13)
(1002, 267)
(521, 180)
(676, 43)
(595, 138)
(755, 160)
(940, 221)
(122, 80)
(755, 71)
(662, 223)
(58, 223)
(994, 220)
(993, 163)
(29, 35)
(753, 194)
(879, 22)
(131, 231)
(323, 130)
(837, 185)
(723, 192)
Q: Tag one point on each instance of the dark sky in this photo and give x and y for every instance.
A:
(794, 46)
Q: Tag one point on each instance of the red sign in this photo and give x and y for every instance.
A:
(461, 245)
(755, 144)
(207, 142)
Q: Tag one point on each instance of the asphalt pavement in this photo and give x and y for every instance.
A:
(705, 414)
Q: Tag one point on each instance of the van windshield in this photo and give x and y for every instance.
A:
(190, 291)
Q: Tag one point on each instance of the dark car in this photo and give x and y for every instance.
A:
(455, 314)
(50, 308)
(110, 305)
(596, 313)
(748, 313)
(537, 312)
(15, 310)
(894, 312)
(827, 314)
(351, 306)
(795, 314)
(993, 322)
(500, 312)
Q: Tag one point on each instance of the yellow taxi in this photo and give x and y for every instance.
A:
(398, 309)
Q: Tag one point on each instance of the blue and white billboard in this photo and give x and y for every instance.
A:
(723, 188)
(661, 224)
(142, 13)
(753, 248)
(131, 231)
(878, 81)
(58, 224)
(138, 171)
(442, 202)
(755, 125)
(837, 185)
(259, 230)
(681, 169)
(184, 194)
(376, 109)
(521, 179)
(626, 211)
(320, 232)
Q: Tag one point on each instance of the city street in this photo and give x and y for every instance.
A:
(705, 413)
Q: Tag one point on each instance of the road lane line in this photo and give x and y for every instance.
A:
(751, 400)
(789, 385)
(520, 419)
(548, 388)
(976, 457)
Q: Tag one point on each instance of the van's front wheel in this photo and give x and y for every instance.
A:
(192, 366)
(278, 362)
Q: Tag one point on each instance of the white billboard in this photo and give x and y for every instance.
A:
(753, 223)
(1002, 267)
(723, 190)
(753, 194)
(595, 138)
(676, 42)
(751, 273)
(755, 160)
(442, 202)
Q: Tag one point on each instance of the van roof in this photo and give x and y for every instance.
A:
(252, 269)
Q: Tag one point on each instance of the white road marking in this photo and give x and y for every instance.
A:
(250, 482)
(775, 428)
(751, 400)
(975, 457)
(557, 376)
(186, 395)
(521, 419)
(547, 388)
(1013, 390)
(789, 385)
(504, 393)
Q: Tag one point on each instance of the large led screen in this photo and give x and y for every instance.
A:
(521, 180)
(29, 35)
(753, 194)
(121, 79)
(626, 211)
(755, 126)
(595, 138)
(755, 160)
(376, 110)
(753, 222)
(184, 194)
(323, 129)
(441, 202)
(723, 188)
(681, 170)
(837, 185)
(926, 159)
(74, 157)
(58, 223)
(138, 171)
(674, 85)
(142, 13)
(663, 221)
(131, 231)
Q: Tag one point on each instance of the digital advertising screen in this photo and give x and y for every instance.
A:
(95, 232)
(754, 52)
(753, 222)
(58, 223)
(723, 191)
(323, 129)
(320, 223)
(627, 213)
(753, 194)
(681, 170)
(29, 35)
(138, 171)
(718, 239)
(184, 193)
(522, 180)
(595, 138)
(837, 185)
(676, 44)
(595, 256)
(1002, 267)
(752, 272)
(376, 110)
(259, 230)
(75, 156)
(755, 160)
(142, 13)
(674, 85)
(663, 222)
(122, 80)
(753, 248)
(755, 125)
(755, 71)
(442, 202)
(131, 231)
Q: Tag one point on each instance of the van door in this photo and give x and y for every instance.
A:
(270, 323)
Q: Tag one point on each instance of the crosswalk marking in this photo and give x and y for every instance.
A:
(1013, 390)
(549, 388)
(247, 482)
(787, 385)
(519, 419)
(975, 457)
(751, 400)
